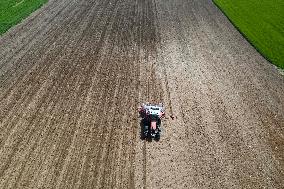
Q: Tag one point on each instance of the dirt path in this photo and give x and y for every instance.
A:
(73, 74)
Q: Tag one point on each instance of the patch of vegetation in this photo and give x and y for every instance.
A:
(261, 22)
(13, 11)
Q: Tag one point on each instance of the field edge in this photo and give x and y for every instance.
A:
(6, 26)
(279, 67)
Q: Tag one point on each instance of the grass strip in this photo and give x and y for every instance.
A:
(261, 22)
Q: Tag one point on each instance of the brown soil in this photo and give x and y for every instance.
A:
(74, 72)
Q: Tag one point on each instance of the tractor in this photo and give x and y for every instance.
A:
(151, 115)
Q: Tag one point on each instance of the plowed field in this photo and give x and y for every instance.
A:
(73, 74)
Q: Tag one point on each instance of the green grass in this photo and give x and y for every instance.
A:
(13, 11)
(261, 22)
